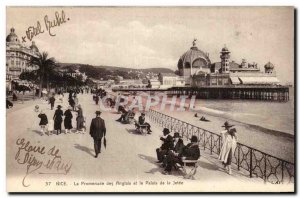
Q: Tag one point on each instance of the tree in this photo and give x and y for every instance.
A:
(46, 66)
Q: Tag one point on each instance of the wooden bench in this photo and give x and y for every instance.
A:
(189, 168)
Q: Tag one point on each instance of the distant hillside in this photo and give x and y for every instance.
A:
(108, 72)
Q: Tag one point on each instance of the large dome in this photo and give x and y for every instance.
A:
(12, 37)
(194, 58)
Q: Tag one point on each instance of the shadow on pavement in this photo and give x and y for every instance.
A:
(84, 149)
(132, 131)
(152, 160)
(208, 166)
(38, 132)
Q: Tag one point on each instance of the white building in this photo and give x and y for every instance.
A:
(18, 57)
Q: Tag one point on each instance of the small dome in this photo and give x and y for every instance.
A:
(12, 37)
(225, 49)
(269, 65)
(34, 47)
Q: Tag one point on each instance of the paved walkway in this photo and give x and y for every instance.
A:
(129, 157)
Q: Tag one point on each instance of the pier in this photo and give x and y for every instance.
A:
(269, 93)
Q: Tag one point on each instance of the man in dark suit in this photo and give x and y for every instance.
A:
(97, 131)
(166, 146)
(177, 149)
(189, 152)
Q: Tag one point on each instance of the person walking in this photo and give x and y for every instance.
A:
(58, 119)
(76, 101)
(72, 103)
(43, 121)
(80, 119)
(52, 101)
(68, 120)
(229, 140)
(97, 132)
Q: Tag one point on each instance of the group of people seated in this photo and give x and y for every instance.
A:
(128, 114)
(173, 151)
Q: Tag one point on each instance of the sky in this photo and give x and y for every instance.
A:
(140, 37)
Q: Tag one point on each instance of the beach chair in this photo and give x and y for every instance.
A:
(140, 128)
(189, 168)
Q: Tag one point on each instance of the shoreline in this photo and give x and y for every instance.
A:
(250, 125)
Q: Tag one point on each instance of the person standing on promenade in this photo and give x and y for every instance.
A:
(68, 120)
(97, 99)
(43, 121)
(80, 119)
(76, 101)
(72, 103)
(97, 132)
(52, 101)
(229, 140)
(58, 119)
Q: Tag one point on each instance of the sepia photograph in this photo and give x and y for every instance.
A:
(150, 99)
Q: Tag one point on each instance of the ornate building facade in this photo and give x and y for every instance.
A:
(198, 71)
(18, 57)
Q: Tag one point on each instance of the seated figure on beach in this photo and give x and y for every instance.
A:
(141, 121)
(189, 152)
(204, 119)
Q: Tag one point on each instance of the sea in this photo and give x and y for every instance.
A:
(265, 115)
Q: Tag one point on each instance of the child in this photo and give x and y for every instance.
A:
(50, 127)
(43, 122)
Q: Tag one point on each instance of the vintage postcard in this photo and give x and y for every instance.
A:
(150, 99)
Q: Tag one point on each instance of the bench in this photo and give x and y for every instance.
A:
(189, 168)
(140, 128)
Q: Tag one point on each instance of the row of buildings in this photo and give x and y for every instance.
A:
(18, 58)
(195, 69)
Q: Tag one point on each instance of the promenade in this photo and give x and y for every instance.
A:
(128, 157)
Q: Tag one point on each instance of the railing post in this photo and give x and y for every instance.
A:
(219, 149)
(265, 171)
(203, 140)
(239, 152)
(282, 164)
(211, 145)
(251, 162)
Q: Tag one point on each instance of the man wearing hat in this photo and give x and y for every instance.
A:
(97, 131)
(177, 150)
(142, 122)
(189, 152)
(58, 119)
(166, 146)
(68, 120)
(51, 101)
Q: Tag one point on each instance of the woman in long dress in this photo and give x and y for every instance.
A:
(58, 119)
(229, 140)
(68, 120)
(80, 119)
